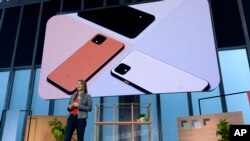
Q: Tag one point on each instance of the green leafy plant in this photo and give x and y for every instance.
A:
(223, 130)
(143, 117)
(58, 129)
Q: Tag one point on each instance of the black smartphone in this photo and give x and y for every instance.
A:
(124, 20)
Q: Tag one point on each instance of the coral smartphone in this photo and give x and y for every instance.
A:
(124, 20)
(154, 76)
(85, 62)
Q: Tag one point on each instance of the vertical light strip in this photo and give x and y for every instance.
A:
(17, 36)
(243, 22)
(82, 4)
(221, 86)
(190, 104)
(11, 76)
(159, 119)
(1, 19)
(104, 4)
(33, 70)
(61, 5)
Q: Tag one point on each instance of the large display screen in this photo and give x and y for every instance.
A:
(160, 47)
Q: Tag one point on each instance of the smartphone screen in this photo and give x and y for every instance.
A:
(124, 20)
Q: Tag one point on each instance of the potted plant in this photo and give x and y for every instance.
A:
(143, 117)
(57, 130)
(223, 130)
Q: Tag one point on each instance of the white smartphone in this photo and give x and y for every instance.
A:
(151, 75)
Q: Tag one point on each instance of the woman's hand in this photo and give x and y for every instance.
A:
(70, 106)
(75, 104)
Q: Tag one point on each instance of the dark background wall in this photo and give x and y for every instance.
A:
(22, 29)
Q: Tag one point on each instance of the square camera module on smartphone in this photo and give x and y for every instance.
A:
(98, 39)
